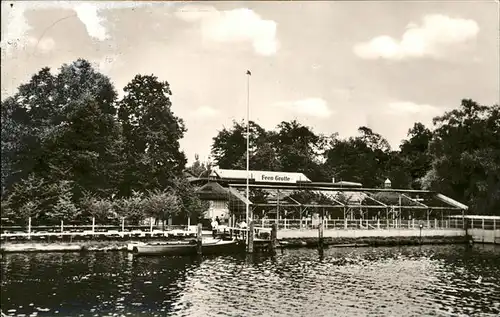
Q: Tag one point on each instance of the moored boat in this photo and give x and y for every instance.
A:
(189, 248)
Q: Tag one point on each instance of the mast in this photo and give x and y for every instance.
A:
(248, 147)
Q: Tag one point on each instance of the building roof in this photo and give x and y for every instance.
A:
(261, 176)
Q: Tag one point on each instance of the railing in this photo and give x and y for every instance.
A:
(95, 230)
(346, 224)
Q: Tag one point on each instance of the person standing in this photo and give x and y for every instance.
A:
(215, 228)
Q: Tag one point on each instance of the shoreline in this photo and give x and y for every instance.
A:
(284, 243)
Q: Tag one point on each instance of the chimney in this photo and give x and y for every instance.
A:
(387, 183)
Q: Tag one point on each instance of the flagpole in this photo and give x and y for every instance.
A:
(248, 146)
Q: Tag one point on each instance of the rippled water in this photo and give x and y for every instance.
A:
(409, 281)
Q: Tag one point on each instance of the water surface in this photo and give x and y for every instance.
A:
(399, 281)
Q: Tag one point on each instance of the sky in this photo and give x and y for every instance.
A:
(331, 65)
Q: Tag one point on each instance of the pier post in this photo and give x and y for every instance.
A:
(29, 227)
(250, 237)
(482, 223)
(93, 225)
(320, 235)
(435, 223)
(199, 237)
(413, 223)
(151, 226)
(274, 238)
(62, 226)
(378, 223)
(494, 224)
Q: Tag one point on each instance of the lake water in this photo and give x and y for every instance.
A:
(399, 281)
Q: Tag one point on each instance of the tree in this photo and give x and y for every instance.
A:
(363, 159)
(132, 208)
(27, 198)
(465, 156)
(162, 204)
(99, 208)
(151, 134)
(414, 152)
(299, 149)
(229, 146)
(198, 168)
(64, 209)
(190, 204)
(68, 129)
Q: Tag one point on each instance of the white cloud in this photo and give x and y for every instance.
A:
(435, 34)
(88, 14)
(14, 34)
(238, 25)
(411, 108)
(313, 107)
(43, 45)
(205, 111)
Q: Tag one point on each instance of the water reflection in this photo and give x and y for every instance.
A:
(414, 281)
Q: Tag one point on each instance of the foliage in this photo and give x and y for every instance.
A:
(190, 204)
(99, 208)
(71, 150)
(198, 169)
(151, 135)
(132, 208)
(229, 146)
(364, 159)
(64, 208)
(466, 157)
(162, 204)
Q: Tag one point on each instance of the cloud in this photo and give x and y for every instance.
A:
(238, 25)
(411, 108)
(205, 111)
(14, 34)
(430, 39)
(43, 45)
(313, 107)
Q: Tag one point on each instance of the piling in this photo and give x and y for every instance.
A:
(62, 226)
(274, 238)
(250, 237)
(320, 235)
(199, 237)
(29, 227)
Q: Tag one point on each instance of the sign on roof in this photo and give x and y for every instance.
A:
(264, 176)
(279, 177)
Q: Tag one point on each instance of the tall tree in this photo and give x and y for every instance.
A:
(151, 135)
(363, 159)
(414, 152)
(68, 130)
(465, 156)
(299, 149)
(229, 145)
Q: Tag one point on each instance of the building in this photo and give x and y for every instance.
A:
(292, 195)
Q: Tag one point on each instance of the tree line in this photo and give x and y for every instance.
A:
(72, 149)
(459, 156)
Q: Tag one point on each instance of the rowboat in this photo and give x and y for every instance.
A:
(188, 247)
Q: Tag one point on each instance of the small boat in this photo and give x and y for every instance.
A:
(188, 247)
